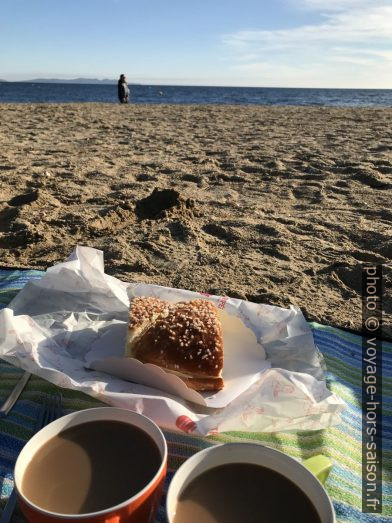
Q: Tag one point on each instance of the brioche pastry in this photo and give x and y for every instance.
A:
(183, 338)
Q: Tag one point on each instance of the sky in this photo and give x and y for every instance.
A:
(260, 43)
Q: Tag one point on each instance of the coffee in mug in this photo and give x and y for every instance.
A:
(91, 467)
(96, 465)
(237, 482)
(243, 492)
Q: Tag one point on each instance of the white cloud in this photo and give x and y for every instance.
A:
(360, 38)
(383, 55)
(351, 59)
(353, 26)
(340, 5)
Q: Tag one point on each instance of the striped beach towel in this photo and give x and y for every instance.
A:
(342, 352)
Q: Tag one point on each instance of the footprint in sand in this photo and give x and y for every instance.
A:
(339, 190)
(268, 230)
(193, 159)
(252, 169)
(232, 178)
(314, 193)
(382, 148)
(371, 257)
(23, 199)
(374, 179)
(272, 250)
(385, 249)
(7, 216)
(345, 276)
(384, 169)
(227, 166)
(313, 176)
(180, 231)
(146, 177)
(222, 233)
(342, 183)
(189, 177)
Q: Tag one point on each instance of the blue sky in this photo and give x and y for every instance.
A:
(287, 43)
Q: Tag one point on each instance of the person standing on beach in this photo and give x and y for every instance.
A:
(123, 91)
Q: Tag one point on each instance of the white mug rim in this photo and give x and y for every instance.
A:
(198, 456)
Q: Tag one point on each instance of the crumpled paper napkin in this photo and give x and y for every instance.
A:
(52, 323)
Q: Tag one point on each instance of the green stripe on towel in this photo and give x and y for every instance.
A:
(342, 352)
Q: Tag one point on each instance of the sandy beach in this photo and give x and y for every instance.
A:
(277, 205)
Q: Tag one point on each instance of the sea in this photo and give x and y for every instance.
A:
(26, 92)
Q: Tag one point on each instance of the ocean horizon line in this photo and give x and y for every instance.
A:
(59, 92)
(105, 82)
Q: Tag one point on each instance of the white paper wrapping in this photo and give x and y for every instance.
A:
(55, 324)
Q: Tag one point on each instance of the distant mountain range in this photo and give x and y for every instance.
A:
(70, 81)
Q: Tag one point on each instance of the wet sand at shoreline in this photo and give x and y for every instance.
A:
(277, 205)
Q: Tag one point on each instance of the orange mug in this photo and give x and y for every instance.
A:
(140, 508)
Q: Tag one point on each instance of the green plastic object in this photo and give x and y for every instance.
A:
(320, 466)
